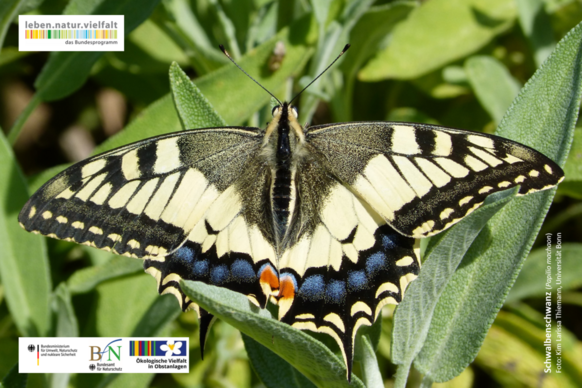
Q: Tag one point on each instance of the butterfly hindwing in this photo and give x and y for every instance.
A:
(421, 178)
(342, 262)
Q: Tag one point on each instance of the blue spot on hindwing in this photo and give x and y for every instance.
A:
(200, 268)
(184, 254)
(242, 270)
(218, 274)
(375, 263)
(335, 291)
(357, 280)
(313, 288)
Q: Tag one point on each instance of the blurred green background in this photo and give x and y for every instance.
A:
(457, 63)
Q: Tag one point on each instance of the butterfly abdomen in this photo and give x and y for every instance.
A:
(282, 198)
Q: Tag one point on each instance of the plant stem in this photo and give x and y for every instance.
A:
(19, 123)
(401, 376)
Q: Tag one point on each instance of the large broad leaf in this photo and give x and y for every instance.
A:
(413, 316)
(303, 352)
(24, 269)
(437, 33)
(543, 116)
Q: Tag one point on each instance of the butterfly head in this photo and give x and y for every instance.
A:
(284, 137)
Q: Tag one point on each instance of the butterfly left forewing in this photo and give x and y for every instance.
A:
(185, 202)
(144, 198)
(422, 179)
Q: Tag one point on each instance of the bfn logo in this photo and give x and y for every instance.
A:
(97, 354)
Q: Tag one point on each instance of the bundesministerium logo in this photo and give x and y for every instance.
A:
(97, 354)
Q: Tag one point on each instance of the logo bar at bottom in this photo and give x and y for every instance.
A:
(103, 355)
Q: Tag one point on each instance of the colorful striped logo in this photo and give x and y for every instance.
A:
(71, 34)
(157, 348)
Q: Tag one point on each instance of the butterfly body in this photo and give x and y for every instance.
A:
(323, 221)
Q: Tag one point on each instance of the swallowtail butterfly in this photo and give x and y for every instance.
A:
(322, 220)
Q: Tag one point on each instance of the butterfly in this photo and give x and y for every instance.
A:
(323, 221)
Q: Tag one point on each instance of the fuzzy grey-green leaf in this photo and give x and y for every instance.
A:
(193, 108)
(306, 354)
(413, 316)
(477, 290)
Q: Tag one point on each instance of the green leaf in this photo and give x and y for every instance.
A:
(66, 320)
(437, 33)
(414, 315)
(330, 41)
(537, 27)
(572, 184)
(145, 314)
(306, 354)
(156, 43)
(492, 83)
(478, 288)
(87, 279)
(183, 26)
(532, 278)
(9, 9)
(519, 333)
(193, 108)
(133, 295)
(320, 10)
(24, 269)
(14, 379)
(162, 311)
(371, 375)
(272, 369)
(131, 380)
(159, 118)
(366, 37)
(369, 32)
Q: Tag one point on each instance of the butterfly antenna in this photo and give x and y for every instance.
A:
(347, 46)
(247, 74)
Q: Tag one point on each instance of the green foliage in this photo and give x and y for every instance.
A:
(459, 63)
(24, 268)
(430, 37)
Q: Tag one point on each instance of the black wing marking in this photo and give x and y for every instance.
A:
(422, 179)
